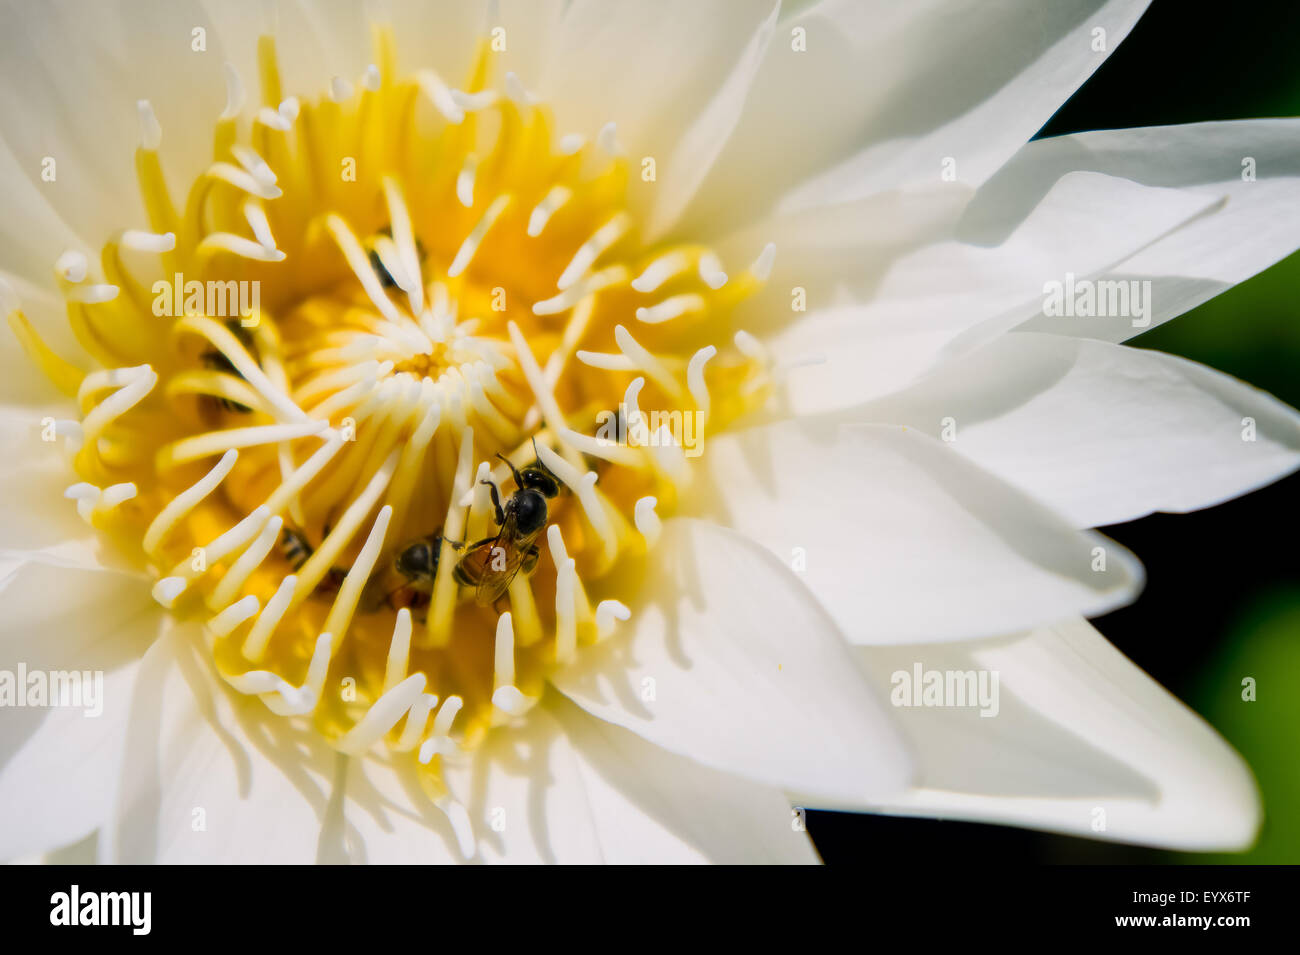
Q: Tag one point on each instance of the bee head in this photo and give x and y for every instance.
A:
(418, 561)
(530, 510)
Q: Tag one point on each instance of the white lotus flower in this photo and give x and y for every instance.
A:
(708, 641)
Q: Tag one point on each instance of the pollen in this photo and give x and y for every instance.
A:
(318, 394)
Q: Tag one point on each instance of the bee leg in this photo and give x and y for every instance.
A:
(496, 502)
(530, 559)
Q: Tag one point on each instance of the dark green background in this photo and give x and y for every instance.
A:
(1223, 593)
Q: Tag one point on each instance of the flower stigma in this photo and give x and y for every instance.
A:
(373, 307)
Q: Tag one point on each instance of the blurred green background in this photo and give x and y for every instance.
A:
(1223, 595)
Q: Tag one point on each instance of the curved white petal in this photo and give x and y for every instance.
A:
(884, 93)
(1252, 164)
(729, 660)
(652, 806)
(56, 762)
(952, 296)
(1083, 742)
(207, 778)
(71, 73)
(1102, 433)
(37, 523)
(902, 539)
(674, 77)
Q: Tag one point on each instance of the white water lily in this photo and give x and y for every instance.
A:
(615, 203)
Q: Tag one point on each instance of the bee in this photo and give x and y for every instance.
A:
(385, 277)
(217, 361)
(417, 564)
(296, 550)
(491, 564)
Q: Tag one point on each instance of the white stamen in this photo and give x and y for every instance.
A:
(473, 102)
(416, 719)
(750, 347)
(371, 79)
(606, 360)
(238, 245)
(168, 589)
(223, 623)
(566, 624)
(216, 442)
(472, 241)
(672, 307)
(340, 89)
(72, 265)
(695, 378)
(661, 270)
(150, 130)
(257, 639)
(607, 611)
(549, 205)
(139, 241)
(465, 182)
(261, 226)
(383, 716)
(607, 139)
(95, 294)
(593, 248)
(440, 95)
(515, 90)
(243, 180)
(574, 294)
(711, 271)
(399, 650)
(571, 143)
(255, 165)
(274, 119)
(234, 92)
(247, 562)
(647, 521)
(289, 109)
(762, 267)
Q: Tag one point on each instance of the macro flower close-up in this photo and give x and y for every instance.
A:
(600, 431)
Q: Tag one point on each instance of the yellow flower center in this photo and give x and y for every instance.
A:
(371, 311)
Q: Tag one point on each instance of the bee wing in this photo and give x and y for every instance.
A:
(502, 559)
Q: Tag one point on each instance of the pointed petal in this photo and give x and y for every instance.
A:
(1252, 164)
(883, 93)
(730, 661)
(1103, 433)
(904, 541)
(55, 761)
(652, 806)
(207, 776)
(1082, 742)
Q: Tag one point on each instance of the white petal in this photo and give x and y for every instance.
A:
(1081, 738)
(1103, 433)
(57, 762)
(525, 796)
(651, 806)
(1258, 225)
(657, 70)
(902, 539)
(953, 296)
(211, 777)
(38, 522)
(729, 660)
(885, 92)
